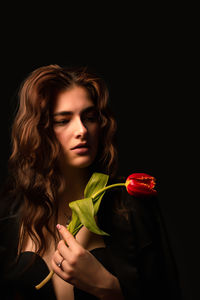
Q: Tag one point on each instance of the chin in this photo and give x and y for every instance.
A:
(82, 163)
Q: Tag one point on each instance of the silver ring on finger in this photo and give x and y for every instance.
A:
(60, 263)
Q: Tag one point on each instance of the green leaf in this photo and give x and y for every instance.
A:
(75, 224)
(97, 181)
(84, 210)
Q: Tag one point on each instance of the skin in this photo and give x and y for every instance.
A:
(83, 270)
(76, 121)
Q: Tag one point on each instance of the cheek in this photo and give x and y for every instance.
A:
(95, 133)
(95, 140)
(61, 137)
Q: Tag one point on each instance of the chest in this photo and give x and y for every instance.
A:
(85, 238)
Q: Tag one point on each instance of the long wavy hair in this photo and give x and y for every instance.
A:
(33, 163)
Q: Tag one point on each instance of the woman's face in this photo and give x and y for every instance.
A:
(76, 127)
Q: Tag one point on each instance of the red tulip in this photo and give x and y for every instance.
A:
(140, 184)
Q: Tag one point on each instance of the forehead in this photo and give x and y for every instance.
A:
(74, 100)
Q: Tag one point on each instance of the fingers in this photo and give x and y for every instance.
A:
(72, 252)
(60, 271)
(67, 237)
(64, 271)
(68, 246)
(58, 258)
(63, 250)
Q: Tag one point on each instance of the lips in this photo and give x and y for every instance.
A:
(80, 146)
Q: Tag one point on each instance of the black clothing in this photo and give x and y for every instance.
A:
(137, 252)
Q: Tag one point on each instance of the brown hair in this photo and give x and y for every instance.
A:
(34, 159)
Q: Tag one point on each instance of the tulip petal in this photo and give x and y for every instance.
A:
(140, 184)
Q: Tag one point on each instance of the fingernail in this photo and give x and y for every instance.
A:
(58, 226)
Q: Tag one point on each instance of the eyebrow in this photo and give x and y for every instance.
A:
(66, 113)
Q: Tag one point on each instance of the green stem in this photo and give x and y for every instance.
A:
(107, 188)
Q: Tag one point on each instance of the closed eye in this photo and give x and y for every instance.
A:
(91, 116)
(61, 122)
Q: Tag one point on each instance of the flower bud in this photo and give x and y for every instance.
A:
(140, 184)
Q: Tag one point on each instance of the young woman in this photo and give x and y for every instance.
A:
(62, 133)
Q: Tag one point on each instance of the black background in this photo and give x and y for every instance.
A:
(147, 61)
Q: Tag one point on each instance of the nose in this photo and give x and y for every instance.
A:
(80, 129)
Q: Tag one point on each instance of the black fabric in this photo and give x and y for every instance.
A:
(103, 255)
(140, 250)
(137, 252)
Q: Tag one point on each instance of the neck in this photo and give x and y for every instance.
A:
(75, 181)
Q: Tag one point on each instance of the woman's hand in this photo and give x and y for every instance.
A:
(81, 269)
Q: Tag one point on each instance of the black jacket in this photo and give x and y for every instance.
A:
(137, 251)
